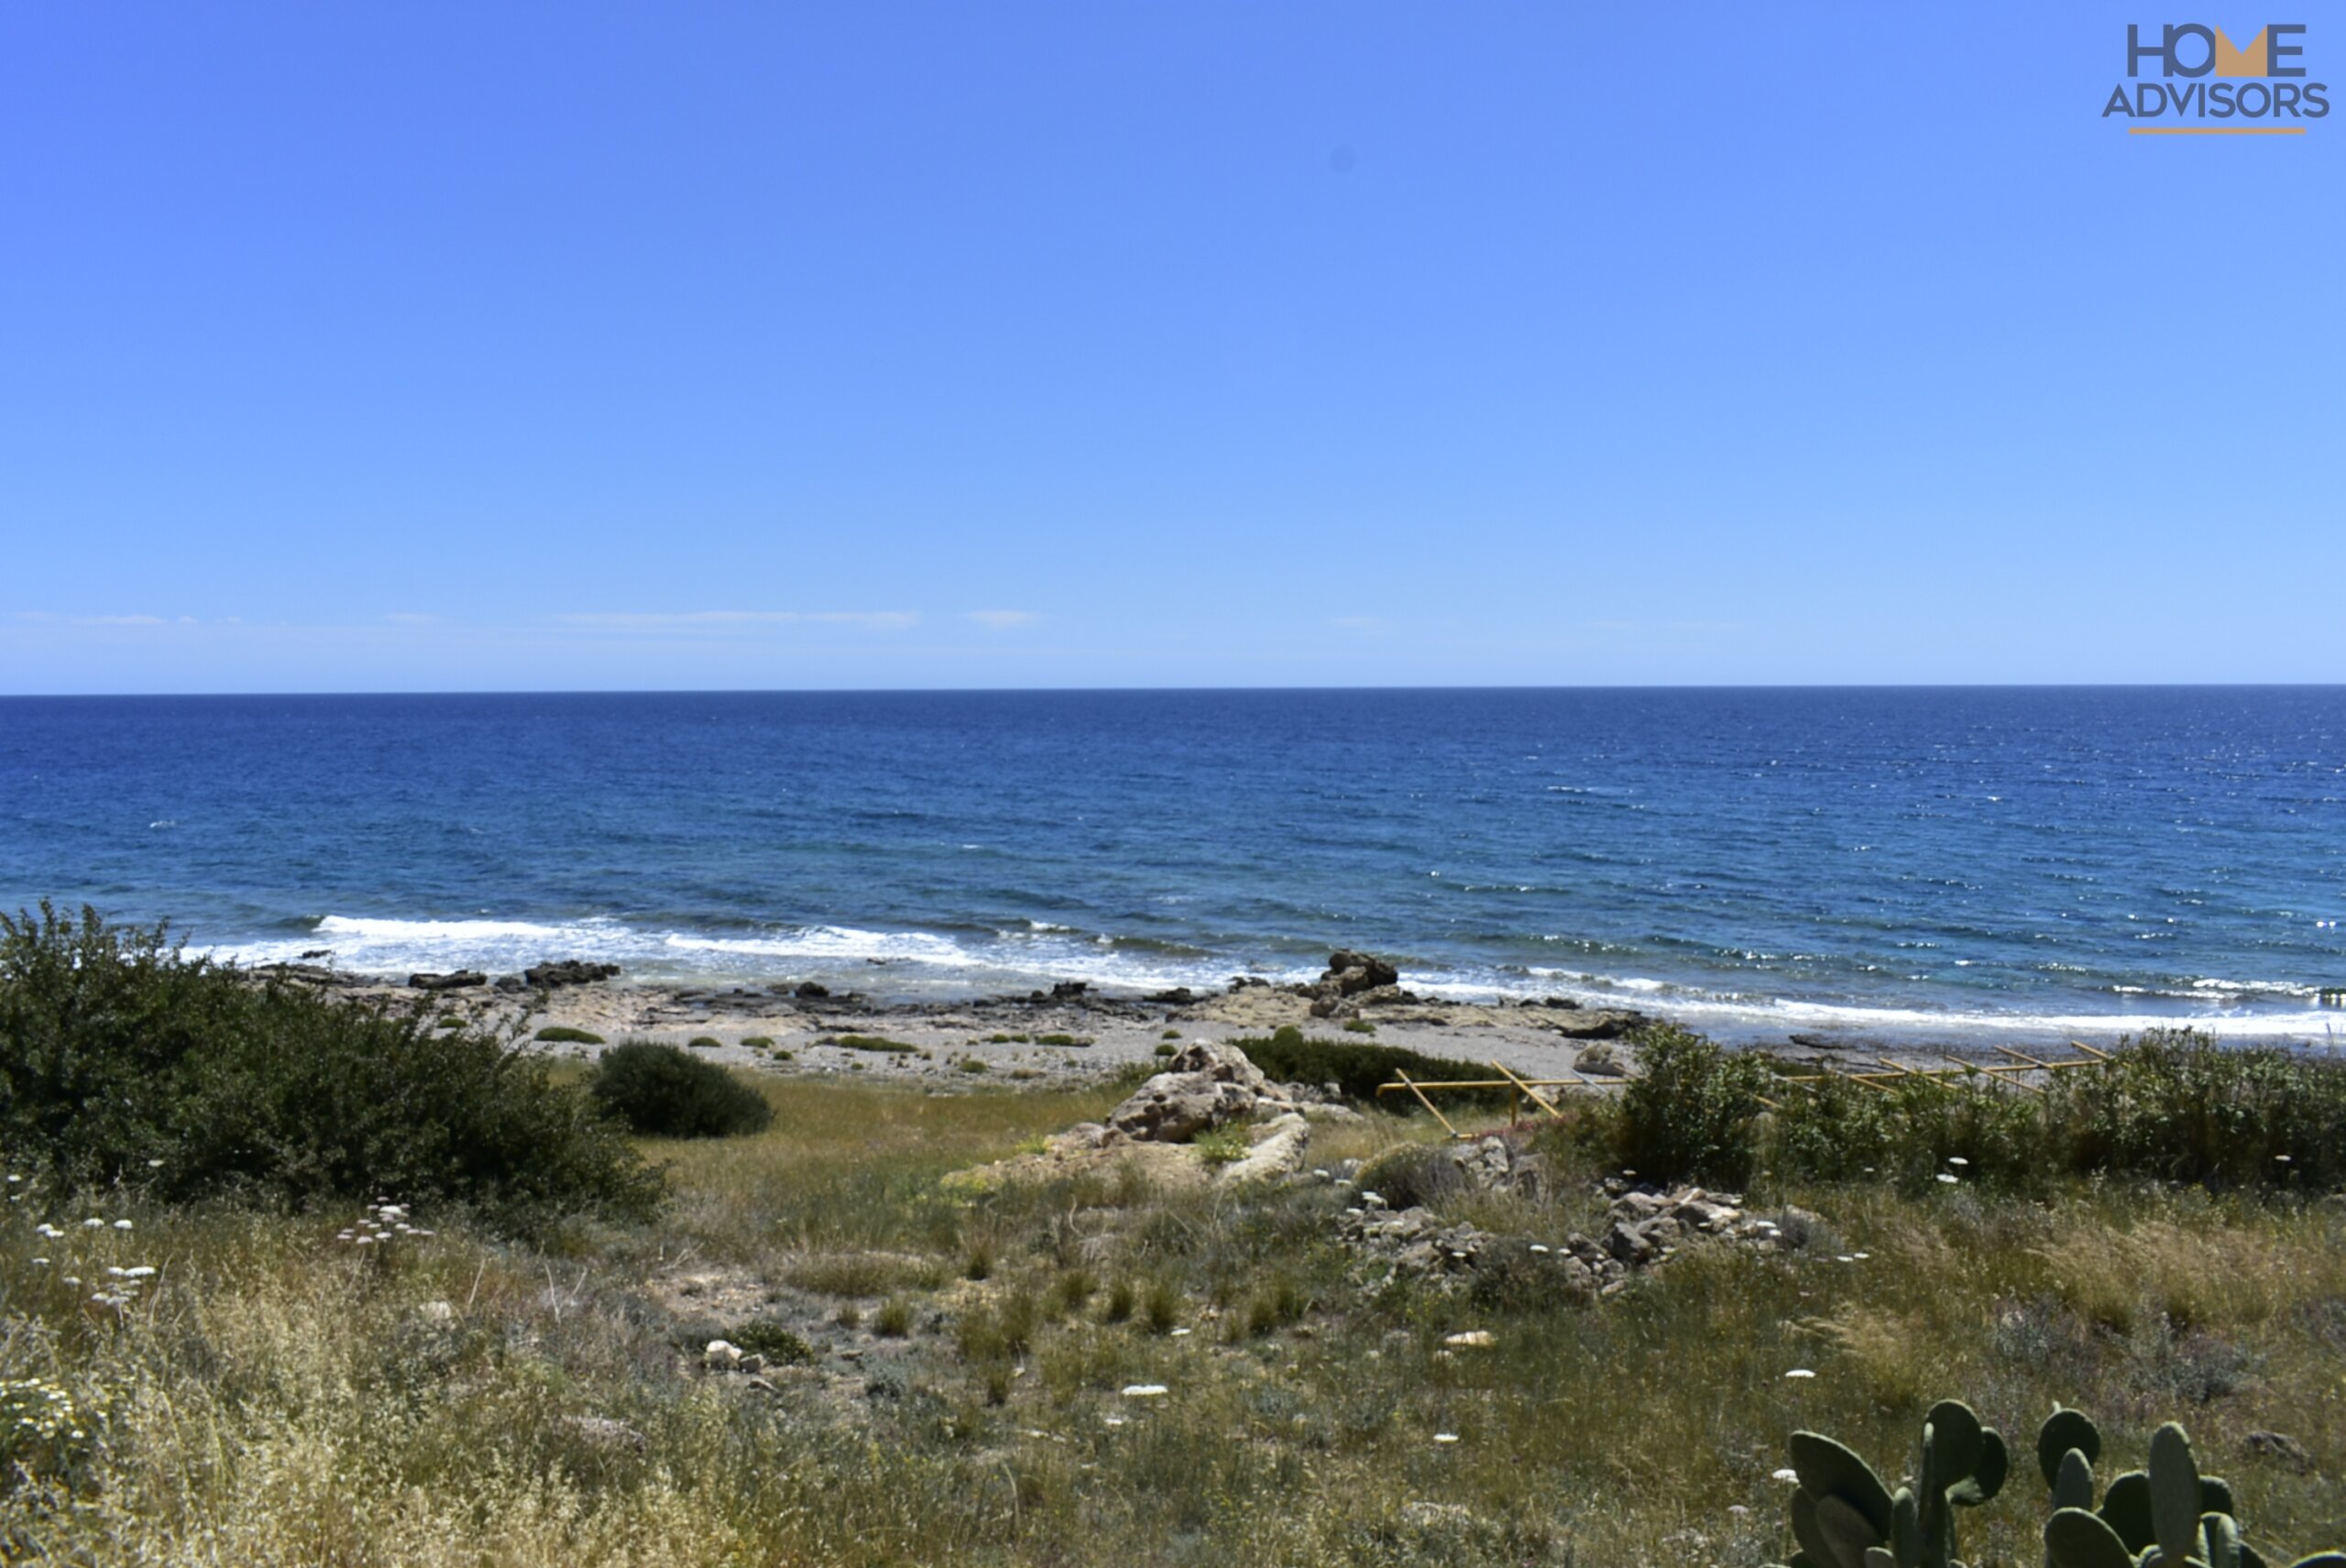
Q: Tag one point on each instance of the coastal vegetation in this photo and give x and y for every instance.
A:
(2172, 1106)
(661, 1092)
(823, 1342)
(1358, 1067)
(126, 1068)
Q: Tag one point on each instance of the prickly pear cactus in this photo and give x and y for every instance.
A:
(1843, 1517)
(2168, 1516)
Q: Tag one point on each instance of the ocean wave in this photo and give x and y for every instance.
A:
(913, 965)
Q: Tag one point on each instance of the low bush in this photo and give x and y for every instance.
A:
(774, 1340)
(1691, 1109)
(2174, 1106)
(704, 1042)
(1409, 1175)
(870, 1042)
(564, 1035)
(659, 1090)
(122, 1059)
(1357, 1067)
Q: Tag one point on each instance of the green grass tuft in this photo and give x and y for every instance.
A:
(870, 1042)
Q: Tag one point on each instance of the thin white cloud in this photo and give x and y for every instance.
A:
(1002, 619)
(44, 617)
(737, 620)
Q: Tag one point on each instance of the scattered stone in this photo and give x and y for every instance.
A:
(1599, 1061)
(456, 980)
(568, 971)
(809, 991)
(1646, 1229)
(1279, 1147)
(1597, 1023)
(1206, 1085)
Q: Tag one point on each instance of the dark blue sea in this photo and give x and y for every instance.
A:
(2009, 861)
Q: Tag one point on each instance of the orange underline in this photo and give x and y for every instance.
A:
(2215, 130)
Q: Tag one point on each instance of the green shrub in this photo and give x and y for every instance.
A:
(758, 1042)
(1907, 1130)
(971, 1064)
(893, 1320)
(1409, 1175)
(1066, 1042)
(1691, 1109)
(705, 1042)
(2177, 1105)
(661, 1092)
(772, 1338)
(870, 1042)
(1357, 1067)
(1359, 1026)
(564, 1035)
(2174, 1106)
(1166, 1050)
(116, 1050)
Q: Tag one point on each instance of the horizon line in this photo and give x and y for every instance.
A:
(1114, 690)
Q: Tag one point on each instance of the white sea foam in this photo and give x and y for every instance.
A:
(930, 964)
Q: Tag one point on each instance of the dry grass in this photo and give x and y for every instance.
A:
(278, 1398)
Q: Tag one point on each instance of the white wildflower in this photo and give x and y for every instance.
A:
(1800, 1372)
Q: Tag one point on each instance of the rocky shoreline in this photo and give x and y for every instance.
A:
(1070, 1031)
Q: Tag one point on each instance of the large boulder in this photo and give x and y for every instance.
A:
(1279, 1150)
(1352, 974)
(1202, 1087)
(458, 980)
(1350, 977)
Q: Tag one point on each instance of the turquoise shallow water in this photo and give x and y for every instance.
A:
(2019, 860)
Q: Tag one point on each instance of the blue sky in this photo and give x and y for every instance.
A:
(535, 346)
